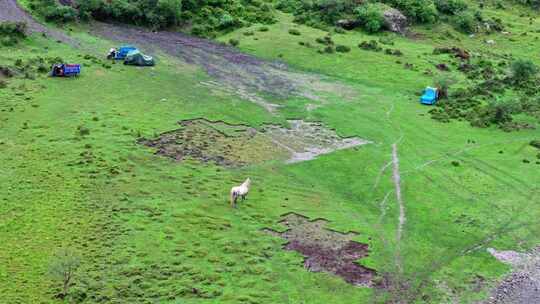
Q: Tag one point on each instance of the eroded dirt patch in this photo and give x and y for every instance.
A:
(239, 145)
(522, 285)
(207, 141)
(326, 250)
(246, 76)
(11, 11)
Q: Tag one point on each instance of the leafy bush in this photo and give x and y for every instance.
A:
(535, 143)
(465, 22)
(370, 17)
(12, 32)
(318, 13)
(450, 7)
(329, 49)
(371, 45)
(234, 42)
(420, 11)
(263, 29)
(13, 29)
(60, 14)
(294, 32)
(208, 17)
(326, 40)
(343, 49)
(523, 70)
(443, 84)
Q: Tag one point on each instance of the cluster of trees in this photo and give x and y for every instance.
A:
(209, 17)
(204, 17)
(369, 14)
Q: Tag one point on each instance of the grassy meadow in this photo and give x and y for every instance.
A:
(151, 230)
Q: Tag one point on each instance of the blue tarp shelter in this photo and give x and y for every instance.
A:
(123, 51)
(429, 96)
(65, 70)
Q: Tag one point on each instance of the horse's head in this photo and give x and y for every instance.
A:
(247, 182)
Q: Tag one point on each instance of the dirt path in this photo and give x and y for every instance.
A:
(247, 76)
(11, 11)
(523, 284)
(396, 177)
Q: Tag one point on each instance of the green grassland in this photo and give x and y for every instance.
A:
(150, 230)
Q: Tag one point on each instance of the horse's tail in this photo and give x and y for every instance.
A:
(233, 197)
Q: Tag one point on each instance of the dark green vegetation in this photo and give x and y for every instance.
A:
(202, 18)
(80, 194)
(12, 32)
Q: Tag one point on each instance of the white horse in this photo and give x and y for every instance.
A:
(240, 191)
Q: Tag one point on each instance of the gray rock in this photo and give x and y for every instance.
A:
(395, 21)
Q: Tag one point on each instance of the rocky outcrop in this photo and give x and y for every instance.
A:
(395, 21)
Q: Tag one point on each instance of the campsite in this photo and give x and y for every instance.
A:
(269, 151)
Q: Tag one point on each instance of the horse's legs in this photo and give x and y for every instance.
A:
(243, 197)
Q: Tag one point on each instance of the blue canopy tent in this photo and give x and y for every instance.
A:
(121, 53)
(429, 97)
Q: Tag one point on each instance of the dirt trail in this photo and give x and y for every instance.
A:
(11, 11)
(523, 284)
(245, 75)
(397, 183)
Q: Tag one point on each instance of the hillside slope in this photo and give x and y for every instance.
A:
(127, 170)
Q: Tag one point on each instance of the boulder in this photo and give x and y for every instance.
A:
(395, 21)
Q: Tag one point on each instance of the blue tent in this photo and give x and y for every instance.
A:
(430, 96)
(123, 51)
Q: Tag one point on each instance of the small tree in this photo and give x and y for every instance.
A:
(62, 269)
(371, 17)
(523, 70)
(443, 83)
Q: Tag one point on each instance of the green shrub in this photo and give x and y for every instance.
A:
(370, 16)
(83, 131)
(3, 84)
(13, 29)
(443, 84)
(343, 49)
(294, 32)
(371, 45)
(535, 143)
(329, 49)
(465, 22)
(326, 40)
(234, 42)
(522, 70)
(60, 14)
(42, 69)
(420, 11)
(450, 7)
(12, 32)
(263, 29)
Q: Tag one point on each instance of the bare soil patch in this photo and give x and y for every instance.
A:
(11, 11)
(245, 75)
(238, 145)
(218, 142)
(326, 250)
(522, 285)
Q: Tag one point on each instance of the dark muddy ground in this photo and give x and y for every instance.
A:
(246, 75)
(238, 145)
(11, 11)
(523, 284)
(326, 250)
(223, 144)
